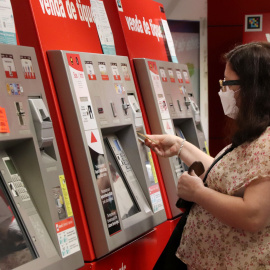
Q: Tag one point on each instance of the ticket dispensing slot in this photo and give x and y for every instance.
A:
(134, 103)
(195, 109)
(42, 122)
(136, 110)
(187, 102)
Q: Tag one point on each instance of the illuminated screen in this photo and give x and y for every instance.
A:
(15, 246)
(126, 203)
(10, 166)
(117, 145)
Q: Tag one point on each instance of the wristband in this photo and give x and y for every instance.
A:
(181, 146)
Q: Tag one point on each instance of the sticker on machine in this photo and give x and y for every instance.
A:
(103, 182)
(156, 198)
(170, 71)
(4, 127)
(168, 126)
(103, 71)
(187, 80)
(182, 90)
(9, 66)
(179, 76)
(163, 74)
(119, 88)
(67, 237)
(14, 89)
(27, 66)
(94, 140)
(119, 5)
(81, 91)
(90, 70)
(163, 108)
(115, 72)
(63, 184)
(87, 113)
(125, 72)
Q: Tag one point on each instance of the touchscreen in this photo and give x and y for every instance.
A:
(126, 202)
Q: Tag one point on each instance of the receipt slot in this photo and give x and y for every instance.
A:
(42, 123)
(171, 108)
(37, 227)
(120, 191)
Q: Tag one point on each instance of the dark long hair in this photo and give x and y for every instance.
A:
(251, 62)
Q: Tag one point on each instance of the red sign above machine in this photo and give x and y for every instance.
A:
(141, 23)
(60, 24)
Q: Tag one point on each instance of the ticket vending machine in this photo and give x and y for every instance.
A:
(115, 172)
(37, 227)
(172, 109)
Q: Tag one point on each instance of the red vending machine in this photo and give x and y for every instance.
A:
(145, 36)
(137, 29)
(69, 26)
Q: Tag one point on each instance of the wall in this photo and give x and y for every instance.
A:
(183, 10)
(225, 29)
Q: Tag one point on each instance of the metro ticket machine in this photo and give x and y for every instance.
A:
(115, 171)
(37, 227)
(172, 109)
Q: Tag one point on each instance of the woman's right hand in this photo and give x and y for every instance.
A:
(164, 145)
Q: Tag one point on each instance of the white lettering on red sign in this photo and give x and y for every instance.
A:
(135, 25)
(57, 8)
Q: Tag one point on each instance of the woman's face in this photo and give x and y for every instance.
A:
(230, 74)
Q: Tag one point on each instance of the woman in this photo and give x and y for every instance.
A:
(229, 224)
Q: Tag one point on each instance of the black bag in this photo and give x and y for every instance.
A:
(168, 260)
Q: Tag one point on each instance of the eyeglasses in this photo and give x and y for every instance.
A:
(223, 83)
(230, 82)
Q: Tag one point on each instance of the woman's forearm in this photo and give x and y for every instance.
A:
(190, 153)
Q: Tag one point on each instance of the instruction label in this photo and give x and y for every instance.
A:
(67, 237)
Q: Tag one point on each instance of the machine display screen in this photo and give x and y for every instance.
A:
(15, 246)
(126, 202)
(117, 145)
(10, 165)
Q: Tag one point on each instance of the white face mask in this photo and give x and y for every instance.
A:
(228, 102)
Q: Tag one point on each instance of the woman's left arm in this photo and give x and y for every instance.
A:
(250, 213)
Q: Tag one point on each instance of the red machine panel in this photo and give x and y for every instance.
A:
(150, 246)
